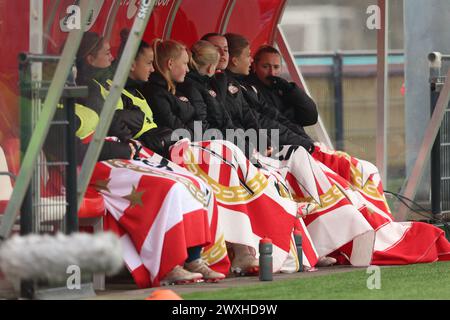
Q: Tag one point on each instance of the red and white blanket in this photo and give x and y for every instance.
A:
(345, 212)
(351, 219)
(253, 203)
(158, 213)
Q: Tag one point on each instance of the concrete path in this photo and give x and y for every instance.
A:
(129, 291)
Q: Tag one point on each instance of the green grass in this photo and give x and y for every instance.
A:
(422, 281)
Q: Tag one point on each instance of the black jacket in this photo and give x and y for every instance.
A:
(131, 115)
(292, 101)
(96, 79)
(265, 106)
(229, 91)
(242, 117)
(204, 96)
(209, 102)
(268, 118)
(95, 101)
(171, 111)
(156, 139)
(56, 138)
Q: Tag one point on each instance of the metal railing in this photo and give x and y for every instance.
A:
(339, 68)
(430, 145)
(440, 153)
(40, 212)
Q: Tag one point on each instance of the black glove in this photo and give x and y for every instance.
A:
(158, 140)
(118, 127)
(279, 83)
(133, 118)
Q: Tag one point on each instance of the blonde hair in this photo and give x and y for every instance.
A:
(203, 53)
(163, 51)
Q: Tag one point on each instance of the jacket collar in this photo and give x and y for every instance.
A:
(203, 79)
(134, 84)
(87, 72)
(236, 76)
(254, 80)
(158, 79)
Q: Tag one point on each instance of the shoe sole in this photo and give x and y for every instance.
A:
(310, 269)
(181, 282)
(252, 271)
(213, 280)
(326, 263)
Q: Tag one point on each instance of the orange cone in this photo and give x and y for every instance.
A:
(163, 295)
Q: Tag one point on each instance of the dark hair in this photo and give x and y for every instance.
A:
(124, 33)
(236, 44)
(210, 35)
(91, 44)
(264, 49)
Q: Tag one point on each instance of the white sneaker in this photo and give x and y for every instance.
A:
(245, 265)
(326, 261)
(200, 266)
(178, 275)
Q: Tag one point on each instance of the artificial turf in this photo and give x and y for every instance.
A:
(420, 281)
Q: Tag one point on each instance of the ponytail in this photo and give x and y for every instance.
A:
(156, 44)
(203, 53)
(163, 51)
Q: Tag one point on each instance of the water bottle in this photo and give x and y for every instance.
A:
(265, 260)
(298, 244)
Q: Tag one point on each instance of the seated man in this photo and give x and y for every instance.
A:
(363, 177)
(278, 94)
(243, 105)
(292, 101)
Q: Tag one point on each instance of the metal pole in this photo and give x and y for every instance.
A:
(338, 100)
(296, 75)
(226, 16)
(71, 169)
(26, 129)
(171, 18)
(436, 150)
(36, 47)
(43, 125)
(28, 82)
(30, 58)
(382, 89)
(36, 44)
(425, 149)
(106, 115)
(49, 23)
(111, 19)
